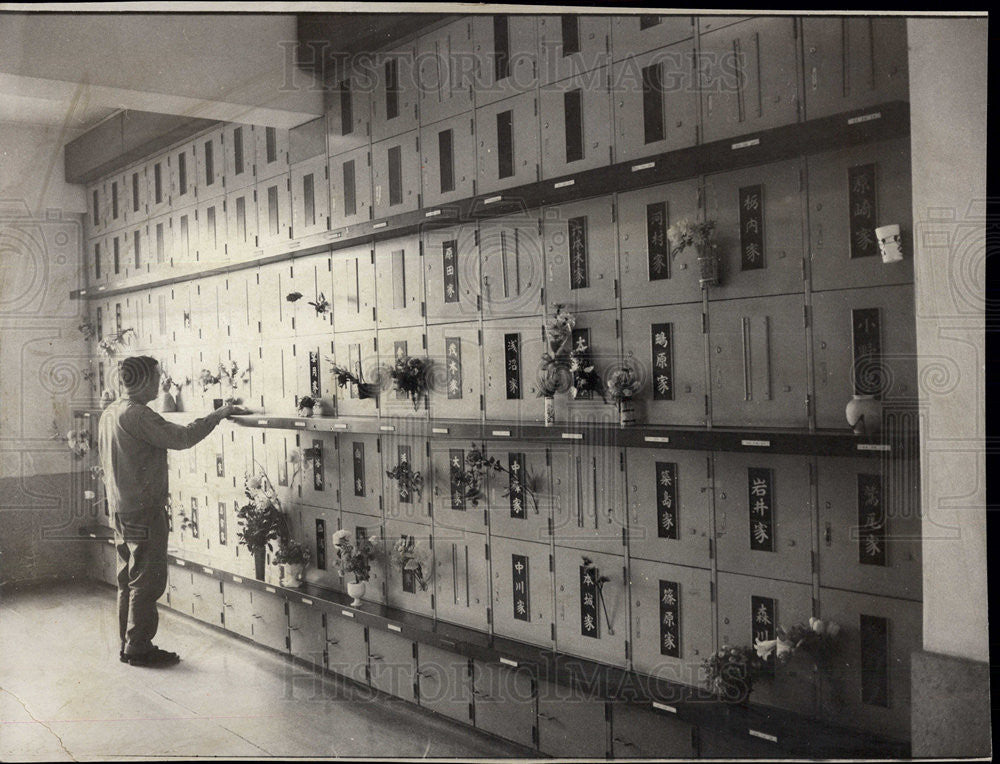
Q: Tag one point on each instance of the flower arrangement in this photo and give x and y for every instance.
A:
(231, 373)
(685, 233)
(112, 343)
(261, 519)
(355, 556)
(623, 384)
(411, 482)
(731, 672)
(343, 375)
(586, 380)
(291, 552)
(293, 296)
(79, 442)
(816, 638)
(478, 465)
(321, 305)
(558, 330)
(167, 382)
(410, 376)
(551, 377)
(406, 555)
(87, 330)
(307, 402)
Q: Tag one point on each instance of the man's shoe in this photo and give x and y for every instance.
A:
(154, 658)
(122, 657)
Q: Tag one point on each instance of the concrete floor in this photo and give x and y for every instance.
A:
(64, 695)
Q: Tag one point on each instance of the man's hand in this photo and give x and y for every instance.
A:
(231, 409)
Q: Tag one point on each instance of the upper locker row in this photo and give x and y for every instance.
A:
(482, 105)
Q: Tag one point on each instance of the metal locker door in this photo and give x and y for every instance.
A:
(744, 338)
(753, 608)
(521, 499)
(448, 153)
(579, 241)
(184, 240)
(507, 143)
(576, 124)
(569, 725)
(346, 649)
(314, 281)
(310, 197)
(413, 593)
(356, 352)
(763, 509)
(391, 661)
(512, 265)
(238, 140)
(210, 164)
(399, 283)
(759, 88)
(590, 511)
(642, 732)
(444, 682)
(569, 44)
(396, 92)
(654, 113)
(270, 151)
(318, 473)
(863, 342)
(350, 188)
(512, 351)
(453, 505)
(396, 175)
(181, 317)
(241, 224)
(213, 233)
(348, 111)
(313, 353)
(759, 230)
(443, 70)
(278, 447)
(353, 289)
(361, 471)
(277, 282)
(669, 510)
(209, 294)
(451, 273)
(853, 62)
(236, 604)
(183, 176)
(869, 527)
(522, 590)
(161, 241)
(671, 620)
(318, 526)
(505, 701)
(637, 34)
(270, 623)
(869, 682)
(666, 347)
(180, 588)
(206, 594)
(114, 189)
(274, 214)
(591, 618)
(158, 185)
(595, 337)
(461, 577)
(456, 377)
(403, 502)
(505, 56)
(850, 193)
(650, 274)
(275, 375)
(244, 305)
(366, 525)
(395, 344)
(306, 633)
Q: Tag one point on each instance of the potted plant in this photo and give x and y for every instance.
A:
(623, 384)
(411, 482)
(306, 405)
(291, 559)
(343, 375)
(685, 233)
(261, 519)
(407, 556)
(410, 377)
(354, 559)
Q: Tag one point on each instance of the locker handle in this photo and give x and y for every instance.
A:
(376, 657)
(333, 641)
(626, 743)
(227, 604)
(255, 615)
(293, 628)
(547, 718)
(197, 595)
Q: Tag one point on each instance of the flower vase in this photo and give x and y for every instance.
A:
(290, 575)
(708, 267)
(550, 410)
(167, 403)
(864, 415)
(259, 560)
(356, 589)
(626, 412)
(367, 390)
(305, 411)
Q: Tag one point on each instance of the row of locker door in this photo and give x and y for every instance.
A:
(745, 78)
(777, 225)
(535, 712)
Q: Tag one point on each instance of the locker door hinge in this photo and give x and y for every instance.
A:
(326, 171)
(222, 618)
(552, 632)
(372, 255)
(489, 615)
(706, 405)
(551, 530)
(423, 337)
(430, 513)
(472, 713)
(482, 402)
(486, 518)
(288, 181)
(487, 552)
(704, 322)
(552, 564)
(548, 457)
(423, 313)
(711, 549)
(286, 607)
(617, 294)
(711, 590)
(803, 267)
(805, 316)
(288, 643)
(624, 538)
(479, 308)
(432, 607)
(380, 505)
(628, 649)
(539, 226)
(621, 461)
(618, 329)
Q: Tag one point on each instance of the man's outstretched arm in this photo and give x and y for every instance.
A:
(145, 424)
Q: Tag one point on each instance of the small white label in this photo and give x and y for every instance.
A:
(564, 184)
(763, 735)
(664, 707)
(306, 601)
(439, 430)
(270, 589)
(92, 535)
(88, 494)
(572, 436)
(393, 627)
(387, 427)
(237, 580)
(656, 439)
(643, 166)
(383, 224)
(865, 118)
(348, 613)
(509, 662)
(492, 200)
(181, 563)
(501, 433)
(336, 235)
(874, 447)
(83, 291)
(101, 288)
(339, 426)
(745, 144)
(756, 443)
(208, 570)
(300, 424)
(86, 414)
(432, 213)
(262, 421)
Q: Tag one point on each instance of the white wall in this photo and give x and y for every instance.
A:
(948, 71)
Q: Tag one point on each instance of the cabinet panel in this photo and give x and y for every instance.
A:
(237, 606)
(637, 34)
(278, 313)
(655, 102)
(863, 342)
(348, 111)
(116, 207)
(759, 230)
(241, 223)
(451, 273)
(160, 244)
(394, 344)
(521, 499)
(361, 470)
(569, 44)
(310, 197)
(274, 214)
(406, 590)
(184, 241)
(512, 350)
(763, 514)
(456, 392)
(753, 384)
(210, 313)
(666, 347)
(396, 92)
(512, 265)
(240, 154)
(461, 577)
(669, 505)
(206, 592)
(313, 353)
(180, 589)
(270, 151)
(306, 633)
(399, 283)
(183, 175)
(134, 194)
(576, 124)
(368, 526)
(446, 77)
(505, 701)
(448, 154)
(671, 620)
(454, 507)
(595, 337)
(853, 62)
(522, 590)
(571, 722)
(97, 209)
(319, 474)
(350, 188)
(353, 289)
(406, 502)
(210, 164)
(314, 280)
(444, 682)
(640, 733)
(589, 512)
(213, 232)
(505, 49)
(346, 649)
(277, 378)
(157, 186)
(850, 193)
(749, 78)
(579, 242)
(270, 623)
(396, 175)
(591, 618)
(507, 149)
(243, 298)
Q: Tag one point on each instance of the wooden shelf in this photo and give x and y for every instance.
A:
(888, 120)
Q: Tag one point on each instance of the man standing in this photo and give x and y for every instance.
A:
(133, 441)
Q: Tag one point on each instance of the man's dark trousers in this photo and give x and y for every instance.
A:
(141, 541)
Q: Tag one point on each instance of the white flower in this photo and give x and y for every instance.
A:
(783, 649)
(373, 540)
(341, 536)
(817, 625)
(765, 648)
(254, 483)
(833, 628)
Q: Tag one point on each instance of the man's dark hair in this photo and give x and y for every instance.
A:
(136, 371)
